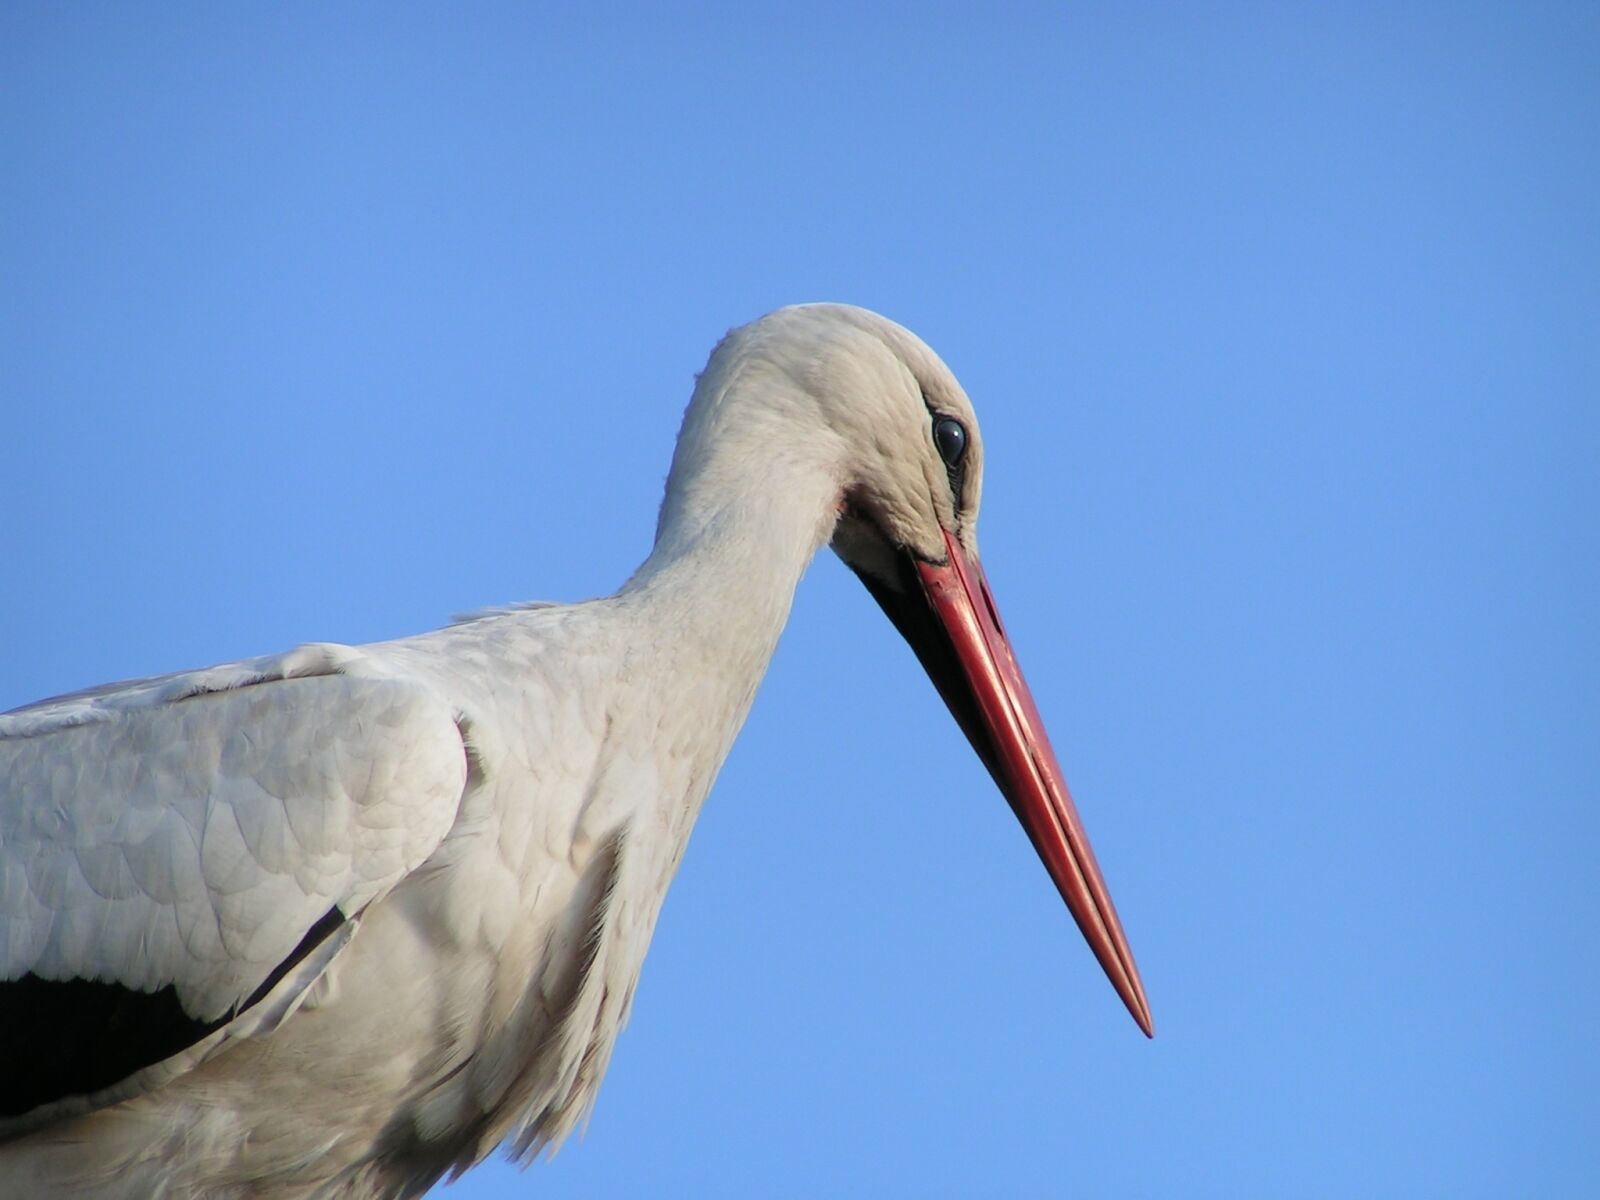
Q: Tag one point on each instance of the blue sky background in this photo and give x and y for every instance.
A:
(1283, 325)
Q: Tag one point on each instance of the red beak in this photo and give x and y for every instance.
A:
(977, 675)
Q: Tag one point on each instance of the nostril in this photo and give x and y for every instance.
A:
(988, 602)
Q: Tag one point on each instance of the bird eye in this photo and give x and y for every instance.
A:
(951, 438)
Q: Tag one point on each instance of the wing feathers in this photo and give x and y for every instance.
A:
(169, 852)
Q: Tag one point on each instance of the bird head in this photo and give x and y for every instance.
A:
(837, 402)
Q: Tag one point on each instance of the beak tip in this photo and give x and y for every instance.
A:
(1139, 1009)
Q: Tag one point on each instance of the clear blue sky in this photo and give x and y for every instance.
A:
(1283, 325)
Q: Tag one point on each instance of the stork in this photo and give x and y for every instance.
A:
(340, 921)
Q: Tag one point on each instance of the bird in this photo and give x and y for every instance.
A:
(340, 922)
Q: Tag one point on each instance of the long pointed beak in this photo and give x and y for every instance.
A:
(966, 653)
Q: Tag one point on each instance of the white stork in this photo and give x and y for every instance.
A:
(340, 921)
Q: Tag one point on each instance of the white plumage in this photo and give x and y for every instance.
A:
(340, 921)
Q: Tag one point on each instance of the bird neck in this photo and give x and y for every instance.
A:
(753, 494)
(729, 555)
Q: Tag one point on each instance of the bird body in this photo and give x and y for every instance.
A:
(338, 922)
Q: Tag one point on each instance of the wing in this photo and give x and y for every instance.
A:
(183, 852)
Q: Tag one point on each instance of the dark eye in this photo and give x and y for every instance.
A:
(951, 439)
